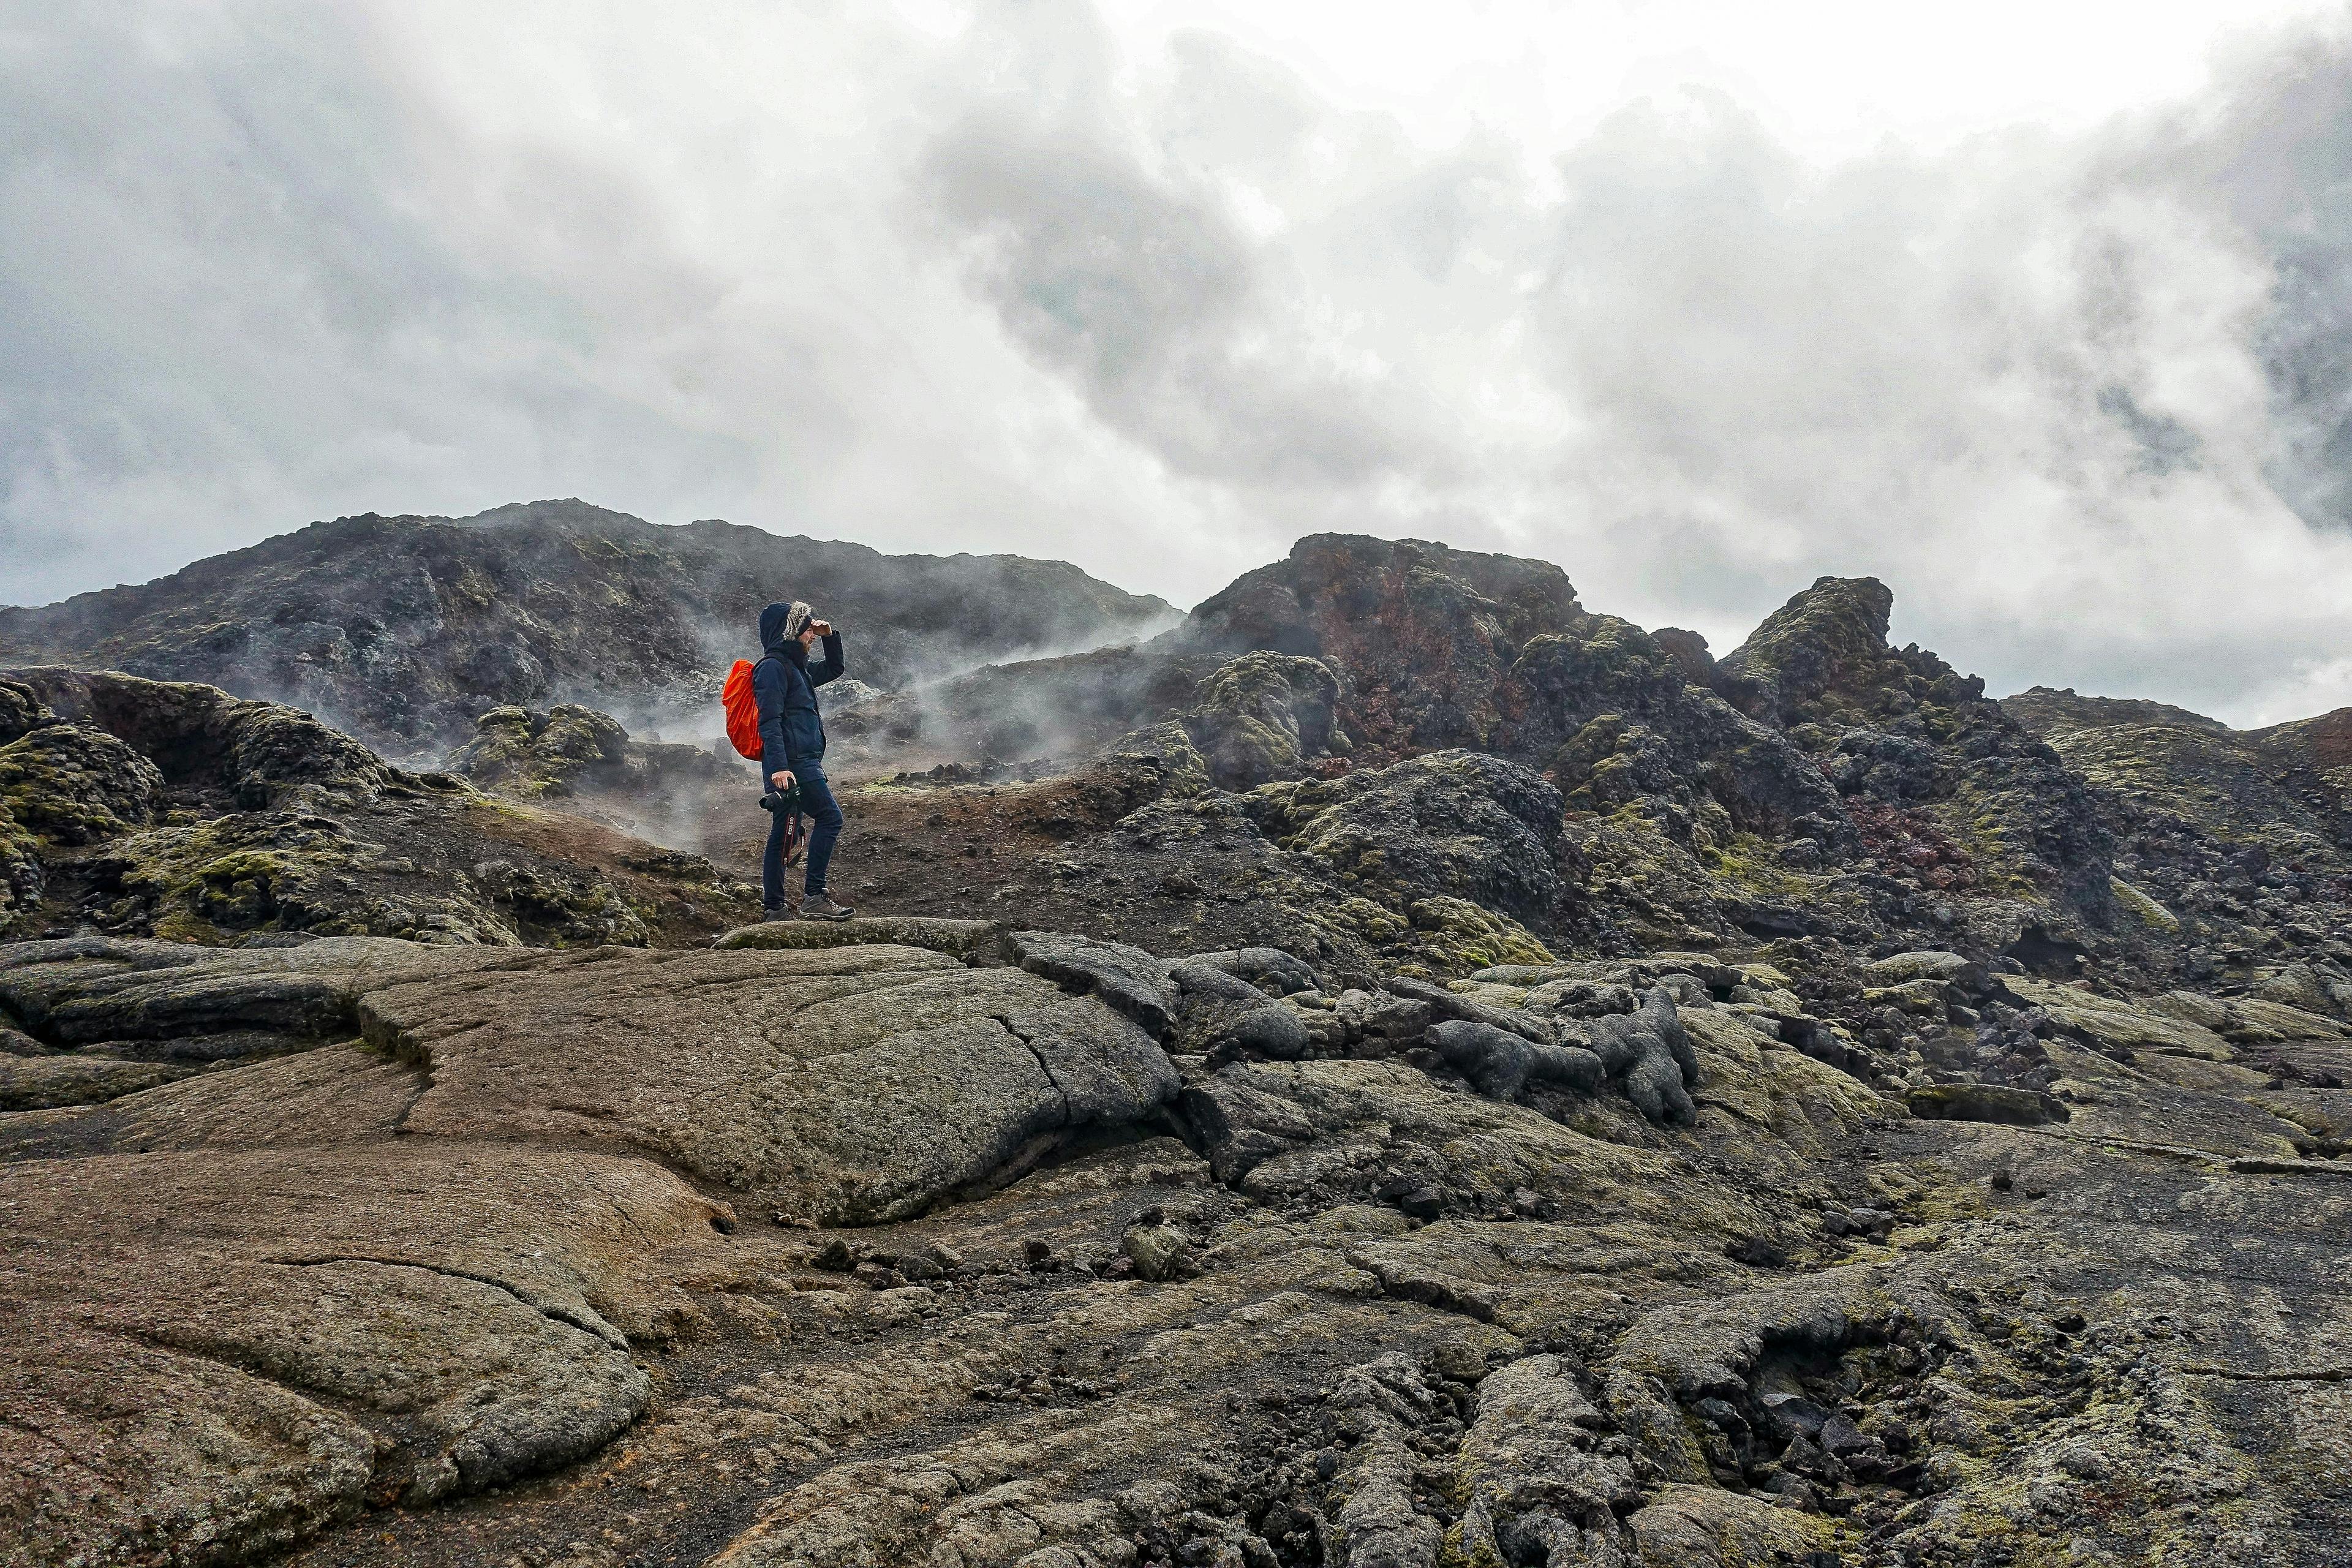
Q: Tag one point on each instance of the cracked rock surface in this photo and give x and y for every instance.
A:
(871, 1253)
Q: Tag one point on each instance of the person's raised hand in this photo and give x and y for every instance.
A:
(822, 628)
(781, 779)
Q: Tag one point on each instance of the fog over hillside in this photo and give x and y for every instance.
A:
(405, 629)
(1158, 291)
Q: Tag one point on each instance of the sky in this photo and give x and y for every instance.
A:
(2038, 312)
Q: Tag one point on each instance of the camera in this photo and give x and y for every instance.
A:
(782, 799)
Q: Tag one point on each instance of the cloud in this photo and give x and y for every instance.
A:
(2083, 399)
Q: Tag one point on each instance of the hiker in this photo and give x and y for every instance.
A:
(792, 749)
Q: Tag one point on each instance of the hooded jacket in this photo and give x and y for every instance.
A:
(784, 683)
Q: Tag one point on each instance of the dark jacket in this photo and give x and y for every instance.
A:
(792, 730)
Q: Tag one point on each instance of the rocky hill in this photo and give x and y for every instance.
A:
(403, 629)
(1400, 1070)
(151, 808)
(1814, 783)
(2238, 842)
(2046, 712)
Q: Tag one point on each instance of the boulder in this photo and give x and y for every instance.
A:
(1500, 1064)
(1986, 1102)
(979, 941)
(1269, 967)
(73, 786)
(1964, 975)
(1129, 979)
(1264, 716)
(1648, 1053)
(1267, 1031)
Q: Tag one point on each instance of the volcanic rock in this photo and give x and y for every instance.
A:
(405, 628)
(1402, 1069)
(140, 806)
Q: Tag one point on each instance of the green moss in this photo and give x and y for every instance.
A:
(2142, 907)
(21, 878)
(1453, 936)
(1986, 828)
(1752, 866)
(2225, 786)
(533, 756)
(71, 785)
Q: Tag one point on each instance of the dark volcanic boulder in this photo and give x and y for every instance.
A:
(1422, 632)
(1461, 823)
(1500, 1063)
(1648, 1052)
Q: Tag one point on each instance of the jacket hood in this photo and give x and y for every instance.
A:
(780, 623)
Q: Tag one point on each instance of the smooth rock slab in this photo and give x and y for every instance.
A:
(846, 1084)
(82, 990)
(1130, 979)
(39, 1083)
(207, 1352)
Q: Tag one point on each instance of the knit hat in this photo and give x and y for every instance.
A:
(796, 620)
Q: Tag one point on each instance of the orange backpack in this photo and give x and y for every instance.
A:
(742, 709)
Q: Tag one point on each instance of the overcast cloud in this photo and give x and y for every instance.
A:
(2081, 394)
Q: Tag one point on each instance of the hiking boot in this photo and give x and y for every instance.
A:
(820, 907)
(787, 911)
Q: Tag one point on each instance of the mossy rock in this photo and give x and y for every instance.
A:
(980, 940)
(21, 878)
(1453, 936)
(1262, 716)
(21, 710)
(529, 754)
(2142, 907)
(73, 786)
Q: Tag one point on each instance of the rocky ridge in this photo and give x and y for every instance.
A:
(1817, 787)
(403, 629)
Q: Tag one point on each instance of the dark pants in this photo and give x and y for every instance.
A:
(825, 818)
